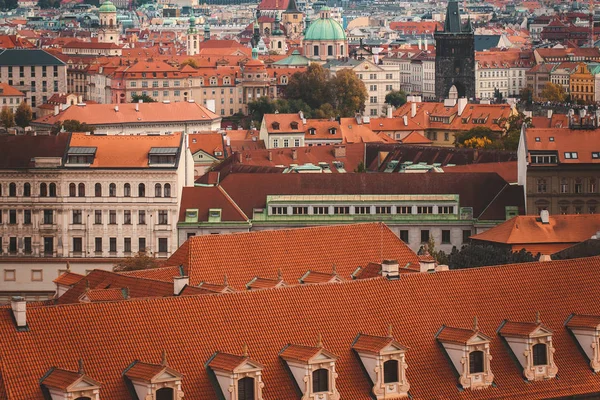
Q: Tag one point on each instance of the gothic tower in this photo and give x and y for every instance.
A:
(455, 57)
(193, 38)
(292, 20)
(109, 28)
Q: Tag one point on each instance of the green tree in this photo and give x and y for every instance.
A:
(139, 261)
(144, 97)
(7, 117)
(476, 132)
(326, 111)
(349, 92)
(311, 86)
(513, 124)
(395, 98)
(71, 125)
(258, 108)
(498, 95)
(479, 255)
(553, 92)
(526, 95)
(360, 168)
(23, 115)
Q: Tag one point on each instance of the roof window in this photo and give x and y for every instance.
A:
(237, 376)
(595, 155)
(294, 125)
(162, 156)
(551, 138)
(571, 155)
(537, 139)
(275, 125)
(61, 383)
(586, 329)
(158, 380)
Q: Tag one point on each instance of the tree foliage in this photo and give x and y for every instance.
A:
(8, 4)
(7, 117)
(395, 98)
(191, 62)
(71, 125)
(310, 86)
(553, 92)
(23, 115)
(139, 261)
(479, 255)
(349, 93)
(144, 97)
(526, 94)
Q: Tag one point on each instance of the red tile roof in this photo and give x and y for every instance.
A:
(7, 90)
(455, 335)
(373, 344)
(159, 274)
(114, 294)
(60, 379)
(300, 353)
(511, 328)
(226, 362)
(507, 169)
(203, 198)
(584, 321)
(564, 140)
(68, 278)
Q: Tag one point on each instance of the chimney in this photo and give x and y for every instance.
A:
(550, 114)
(117, 108)
(239, 157)
(339, 151)
(426, 44)
(545, 216)
(405, 119)
(270, 155)
(358, 119)
(426, 264)
(228, 141)
(294, 154)
(413, 109)
(137, 107)
(420, 47)
(390, 111)
(389, 269)
(56, 110)
(462, 103)
(19, 309)
(179, 282)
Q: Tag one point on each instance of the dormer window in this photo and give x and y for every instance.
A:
(58, 384)
(156, 381)
(313, 370)
(312, 131)
(236, 377)
(275, 125)
(586, 329)
(383, 359)
(294, 125)
(81, 155)
(469, 352)
(332, 131)
(162, 156)
(531, 344)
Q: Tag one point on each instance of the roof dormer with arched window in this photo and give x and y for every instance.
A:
(236, 377)
(59, 384)
(155, 380)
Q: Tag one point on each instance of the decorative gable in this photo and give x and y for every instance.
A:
(531, 343)
(149, 381)
(60, 384)
(313, 370)
(236, 377)
(384, 361)
(469, 352)
(586, 329)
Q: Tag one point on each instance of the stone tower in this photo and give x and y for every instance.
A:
(293, 20)
(455, 57)
(109, 28)
(193, 38)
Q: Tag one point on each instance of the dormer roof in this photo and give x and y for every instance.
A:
(584, 321)
(306, 354)
(112, 294)
(264, 283)
(151, 373)
(231, 362)
(319, 277)
(376, 344)
(523, 329)
(62, 379)
(461, 336)
(68, 279)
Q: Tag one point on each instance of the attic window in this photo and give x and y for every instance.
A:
(596, 155)
(551, 138)
(537, 139)
(571, 155)
(294, 125)
(275, 125)
(237, 376)
(312, 131)
(191, 215)
(333, 131)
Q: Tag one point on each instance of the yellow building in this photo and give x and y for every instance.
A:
(582, 84)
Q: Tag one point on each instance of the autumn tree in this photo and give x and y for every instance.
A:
(395, 98)
(311, 86)
(526, 94)
(139, 261)
(191, 62)
(7, 117)
(23, 115)
(553, 92)
(349, 92)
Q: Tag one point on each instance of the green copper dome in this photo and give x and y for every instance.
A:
(325, 29)
(108, 6)
(192, 21)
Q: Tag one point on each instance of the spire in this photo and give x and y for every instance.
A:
(292, 7)
(255, 53)
(453, 23)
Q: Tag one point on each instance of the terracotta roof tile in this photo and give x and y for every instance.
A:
(299, 352)
(226, 362)
(584, 321)
(60, 379)
(318, 277)
(372, 344)
(455, 335)
(564, 140)
(114, 294)
(159, 274)
(68, 278)
(144, 371)
(511, 328)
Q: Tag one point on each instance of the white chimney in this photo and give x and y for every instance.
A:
(545, 216)
(405, 119)
(426, 44)
(390, 111)
(116, 108)
(211, 105)
(427, 265)
(462, 103)
(228, 141)
(550, 114)
(137, 107)
(390, 269)
(56, 110)
(19, 309)
(420, 47)
(413, 109)
(179, 282)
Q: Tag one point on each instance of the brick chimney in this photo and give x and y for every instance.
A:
(294, 154)
(339, 151)
(19, 310)
(179, 282)
(390, 269)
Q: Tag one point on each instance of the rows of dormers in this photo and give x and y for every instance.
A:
(312, 369)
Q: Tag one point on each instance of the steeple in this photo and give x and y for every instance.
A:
(277, 26)
(206, 31)
(192, 28)
(453, 23)
(292, 8)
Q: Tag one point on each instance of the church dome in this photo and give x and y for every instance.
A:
(325, 29)
(107, 7)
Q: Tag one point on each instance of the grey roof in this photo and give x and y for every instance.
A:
(81, 150)
(334, 63)
(164, 150)
(18, 57)
(486, 42)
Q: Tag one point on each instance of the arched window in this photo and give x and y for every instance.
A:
(127, 190)
(167, 190)
(12, 189)
(141, 190)
(390, 371)
(246, 388)
(540, 354)
(157, 190)
(98, 190)
(213, 81)
(72, 190)
(320, 380)
(43, 190)
(52, 190)
(476, 362)
(112, 190)
(81, 190)
(27, 189)
(165, 394)
(578, 185)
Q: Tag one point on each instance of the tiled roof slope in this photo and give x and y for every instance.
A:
(17, 152)
(477, 190)
(565, 140)
(243, 256)
(109, 336)
(204, 198)
(159, 274)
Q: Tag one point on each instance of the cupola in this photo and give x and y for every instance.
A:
(469, 353)
(531, 344)
(236, 377)
(153, 381)
(383, 359)
(313, 370)
(586, 329)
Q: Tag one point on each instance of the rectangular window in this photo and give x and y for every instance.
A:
(279, 210)
(362, 210)
(446, 210)
(163, 246)
(320, 210)
(112, 244)
(341, 210)
(425, 210)
(37, 275)
(296, 142)
(10, 275)
(383, 210)
(404, 236)
(98, 217)
(163, 217)
(466, 234)
(142, 217)
(98, 245)
(445, 236)
(424, 235)
(404, 210)
(77, 217)
(12, 245)
(141, 244)
(27, 245)
(127, 245)
(77, 245)
(12, 217)
(26, 217)
(127, 217)
(112, 217)
(48, 217)
(299, 210)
